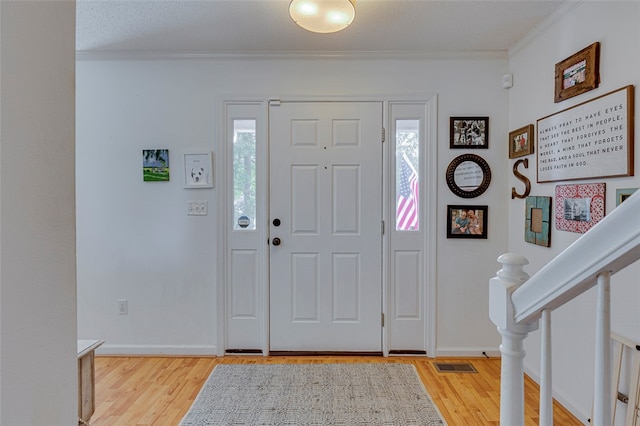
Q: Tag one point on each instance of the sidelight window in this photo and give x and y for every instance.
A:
(407, 179)
(244, 174)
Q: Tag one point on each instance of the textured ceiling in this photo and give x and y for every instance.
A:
(264, 26)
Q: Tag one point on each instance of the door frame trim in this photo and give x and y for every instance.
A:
(221, 198)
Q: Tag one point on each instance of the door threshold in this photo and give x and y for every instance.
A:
(323, 353)
(243, 351)
(407, 352)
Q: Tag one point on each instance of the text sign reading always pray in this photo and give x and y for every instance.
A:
(592, 139)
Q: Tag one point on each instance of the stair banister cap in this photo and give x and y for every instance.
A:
(512, 267)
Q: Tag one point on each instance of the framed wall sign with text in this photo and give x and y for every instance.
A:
(593, 139)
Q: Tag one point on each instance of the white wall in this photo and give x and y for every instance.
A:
(616, 26)
(38, 358)
(136, 242)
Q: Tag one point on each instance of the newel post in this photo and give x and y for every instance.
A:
(508, 279)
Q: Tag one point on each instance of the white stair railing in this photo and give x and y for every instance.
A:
(518, 303)
(602, 387)
(501, 288)
(546, 388)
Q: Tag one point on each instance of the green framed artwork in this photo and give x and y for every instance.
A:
(155, 165)
(537, 223)
(623, 193)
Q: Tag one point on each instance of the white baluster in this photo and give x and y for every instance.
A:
(508, 279)
(546, 388)
(602, 401)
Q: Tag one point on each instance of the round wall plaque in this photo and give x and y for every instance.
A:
(468, 175)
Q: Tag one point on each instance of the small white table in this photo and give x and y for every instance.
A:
(86, 379)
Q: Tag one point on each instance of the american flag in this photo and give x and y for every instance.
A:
(407, 199)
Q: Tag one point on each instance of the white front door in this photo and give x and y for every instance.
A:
(325, 226)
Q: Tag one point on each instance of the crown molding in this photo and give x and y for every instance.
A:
(112, 55)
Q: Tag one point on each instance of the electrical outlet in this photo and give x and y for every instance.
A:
(123, 307)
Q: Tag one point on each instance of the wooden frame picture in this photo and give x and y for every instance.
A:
(469, 132)
(521, 141)
(579, 207)
(537, 221)
(578, 73)
(593, 139)
(464, 221)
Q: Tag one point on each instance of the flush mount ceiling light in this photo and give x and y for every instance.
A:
(323, 16)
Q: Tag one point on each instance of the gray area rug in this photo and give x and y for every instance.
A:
(313, 394)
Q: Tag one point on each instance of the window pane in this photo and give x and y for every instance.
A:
(244, 174)
(407, 161)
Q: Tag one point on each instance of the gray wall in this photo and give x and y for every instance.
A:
(38, 360)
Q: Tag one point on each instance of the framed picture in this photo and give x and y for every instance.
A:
(155, 165)
(468, 175)
(593, 139)
(578, 74)
(469, 132)
(623, 193)
(579, 207)
(521, 141)
(464, 221)
(198, 172)
(537, 221)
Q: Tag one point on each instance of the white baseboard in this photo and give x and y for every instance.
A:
(566, 403)
(490, 351)
(159, 350)
(153, 350)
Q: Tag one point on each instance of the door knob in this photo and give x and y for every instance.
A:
(276, 241)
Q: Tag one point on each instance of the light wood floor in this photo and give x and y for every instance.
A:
(159, 391)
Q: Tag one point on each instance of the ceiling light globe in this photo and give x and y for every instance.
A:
(323, 16)
(307, 8)
(338, 18)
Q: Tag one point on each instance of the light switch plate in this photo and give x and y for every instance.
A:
(197, 208)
